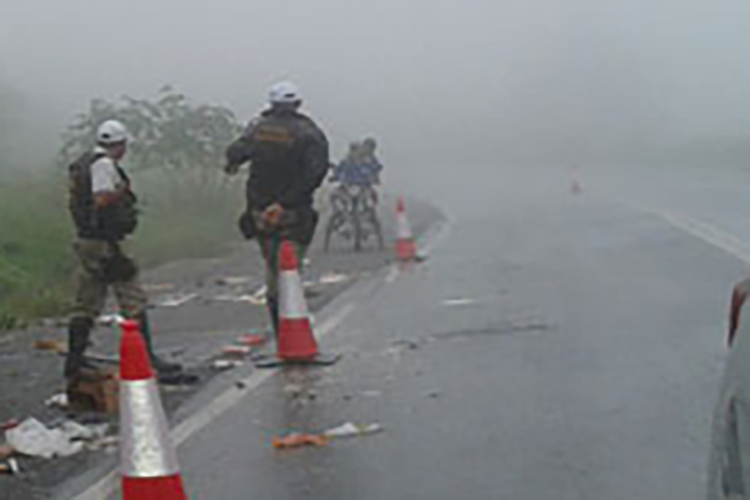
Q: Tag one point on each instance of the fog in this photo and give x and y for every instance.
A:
(445, 85)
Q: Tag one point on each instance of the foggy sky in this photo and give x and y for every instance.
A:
(433, 79)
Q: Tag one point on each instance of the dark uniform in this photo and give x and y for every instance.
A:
(103, 263)
(289, 161)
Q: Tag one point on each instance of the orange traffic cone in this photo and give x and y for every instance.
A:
(296, 341)
(406, 248)
(149, 462)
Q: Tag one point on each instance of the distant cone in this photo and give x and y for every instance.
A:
(148, 460)
(296, 342)
(406, 248)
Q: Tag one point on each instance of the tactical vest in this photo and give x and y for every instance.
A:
(278, 156)
(111, 223)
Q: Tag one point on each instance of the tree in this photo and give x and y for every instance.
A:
(169, 133)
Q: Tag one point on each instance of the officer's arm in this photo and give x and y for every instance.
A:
(241, 150)
(316, 163)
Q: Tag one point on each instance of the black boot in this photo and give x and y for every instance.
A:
(162, 367)
(78, 340)
(273, 312)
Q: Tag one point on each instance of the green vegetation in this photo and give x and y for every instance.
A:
(188, 207)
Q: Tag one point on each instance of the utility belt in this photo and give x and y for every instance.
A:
(297, 224)
(105, 260)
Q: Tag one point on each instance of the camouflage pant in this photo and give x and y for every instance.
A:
(94, 280)
(270, 244)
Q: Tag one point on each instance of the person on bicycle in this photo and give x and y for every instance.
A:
(360, 167)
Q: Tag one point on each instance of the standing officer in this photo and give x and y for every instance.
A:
(288, 157)
(104, 212)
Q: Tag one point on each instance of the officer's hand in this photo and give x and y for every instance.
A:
(231, 169)
(273, 214)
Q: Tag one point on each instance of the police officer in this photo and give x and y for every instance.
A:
(288, 157)
(104, 211)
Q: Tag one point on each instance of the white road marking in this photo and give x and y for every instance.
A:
(722, 240)
(108, 484)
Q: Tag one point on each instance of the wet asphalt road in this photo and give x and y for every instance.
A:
(569, 349)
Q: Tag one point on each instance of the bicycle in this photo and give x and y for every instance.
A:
(354, 216)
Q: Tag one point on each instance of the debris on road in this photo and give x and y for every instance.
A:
(352, 430)
(49, 345)
(237, 350)
(233, 280)
(372, 394)
(225, 364)
(176, 300)
(333, 278)
(110, 319)
(253, 340)
(158, 287)
(6, 451)
(58, 400)
(10, 468)
(459, 302)
(34, 439)
(9, 424)
(297, 440)
(257, 299)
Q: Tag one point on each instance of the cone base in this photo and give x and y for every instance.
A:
(275, 361)
(153, 488)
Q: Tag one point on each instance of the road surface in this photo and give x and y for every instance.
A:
(569, 348)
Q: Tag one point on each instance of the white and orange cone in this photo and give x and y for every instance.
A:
(149, 462)
(296, 342)
(406, 247)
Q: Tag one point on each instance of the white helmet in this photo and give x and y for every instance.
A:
(284, 93)
(111, 132)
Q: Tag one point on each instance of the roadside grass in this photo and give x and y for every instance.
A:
(182, 219)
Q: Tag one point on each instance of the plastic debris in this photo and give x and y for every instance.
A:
(176, 300)
(237, 350)
(297, 440)
(225, 364)
(49, 345)
(352, 430)
(110, 319)
(459, 302)
(58, 400)
(10, 468)
(33, 438)
(253, 340)
(333, 278)
(233, 280)
(6, 451)
(158, 287)
(9, 424)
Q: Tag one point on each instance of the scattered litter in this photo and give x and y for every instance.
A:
(58, 400)
(176, 300)
(233, 280)
(352, 430)
(459, 302)
(434, 394)
(372, 394)
(333, 278)
(9, 424)
(178, 379)
(10, 468)
(253, 340)
(49, 345)
(110, 319)
(33, 438)
(256, 299)
(299, 440)
(237, 350)
(6, 451)
(240, 384)
(397, 346)
(158, 287)
(225, 364)
(293, 390)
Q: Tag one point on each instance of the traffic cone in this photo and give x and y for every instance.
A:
(149, 463)
(406, 248)
(296, 342)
